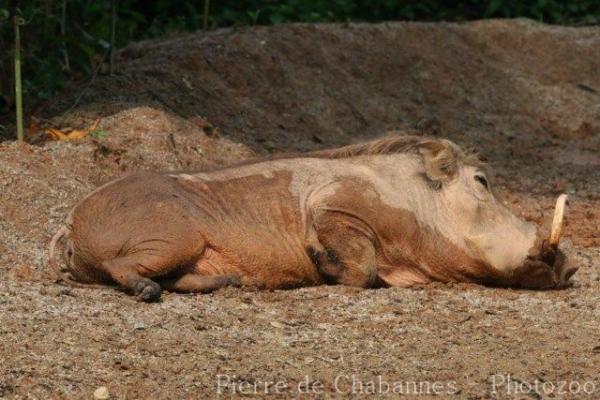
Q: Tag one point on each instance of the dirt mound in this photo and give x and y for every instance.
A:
(525, 95)
(285, 84)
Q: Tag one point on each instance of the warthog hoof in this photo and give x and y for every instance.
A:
(147, 290)
(232, 280)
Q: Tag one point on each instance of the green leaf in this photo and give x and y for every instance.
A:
(99, 133)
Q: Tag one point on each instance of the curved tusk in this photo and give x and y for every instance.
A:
(557, 221)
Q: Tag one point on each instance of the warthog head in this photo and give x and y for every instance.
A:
(486, 228)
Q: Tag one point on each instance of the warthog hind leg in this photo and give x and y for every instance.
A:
(194, 283)
(152, 259)
(128, 272)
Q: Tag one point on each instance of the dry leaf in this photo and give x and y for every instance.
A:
(75, 134)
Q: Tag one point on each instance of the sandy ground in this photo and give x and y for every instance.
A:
(524, 95)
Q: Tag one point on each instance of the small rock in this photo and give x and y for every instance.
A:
(139, 326)
(101, 393)
(278, 325)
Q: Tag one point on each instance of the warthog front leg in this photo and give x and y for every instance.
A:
(343, 253)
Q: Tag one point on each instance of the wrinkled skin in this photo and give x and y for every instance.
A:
(394, 212)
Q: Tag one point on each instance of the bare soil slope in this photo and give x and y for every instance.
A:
(524, 95)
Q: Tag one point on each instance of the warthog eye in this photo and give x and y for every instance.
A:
(482, 180)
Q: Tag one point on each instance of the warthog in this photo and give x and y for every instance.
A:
(398, 211)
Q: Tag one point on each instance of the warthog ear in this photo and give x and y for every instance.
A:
(439, 159)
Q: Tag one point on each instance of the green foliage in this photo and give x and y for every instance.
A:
(98, 133)
(51, 58)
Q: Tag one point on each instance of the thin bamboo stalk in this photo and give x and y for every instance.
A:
(205, 14)
(18, 88)
(63, 34)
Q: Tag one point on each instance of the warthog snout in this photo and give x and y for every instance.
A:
(549, 268)
(549, 265)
